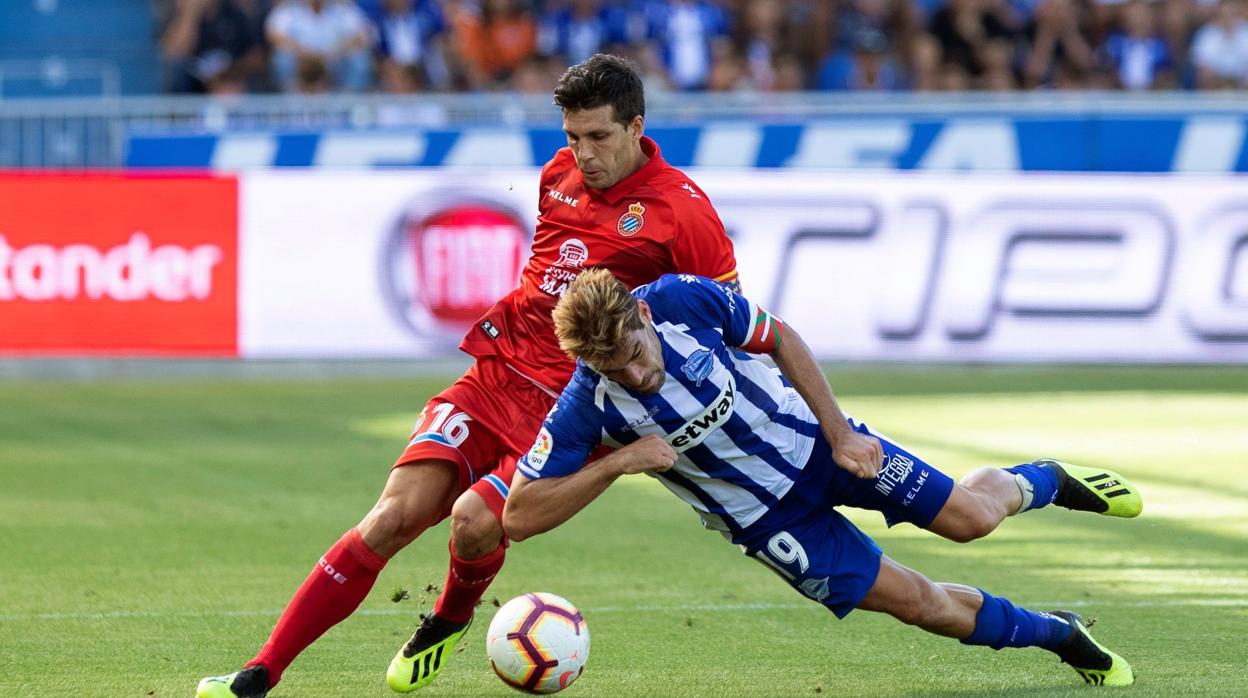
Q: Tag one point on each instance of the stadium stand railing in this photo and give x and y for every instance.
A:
(92, 132)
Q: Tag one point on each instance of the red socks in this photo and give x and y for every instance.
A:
(466, 582)
(339, 583)
(334, 589)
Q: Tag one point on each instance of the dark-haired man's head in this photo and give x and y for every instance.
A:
(604, 107)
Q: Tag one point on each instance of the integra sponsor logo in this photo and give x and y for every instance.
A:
(696, 430)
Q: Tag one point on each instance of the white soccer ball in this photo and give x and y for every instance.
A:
(538, 643)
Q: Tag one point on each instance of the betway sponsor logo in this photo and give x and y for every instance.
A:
(697, 429)
(132, 271)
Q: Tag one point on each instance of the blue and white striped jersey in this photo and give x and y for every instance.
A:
(742, 432)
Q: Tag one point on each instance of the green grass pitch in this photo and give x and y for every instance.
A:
(150, 533)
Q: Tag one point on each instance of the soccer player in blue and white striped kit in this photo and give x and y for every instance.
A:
(666, 375)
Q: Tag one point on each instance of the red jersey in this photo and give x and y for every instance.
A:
(655, 221)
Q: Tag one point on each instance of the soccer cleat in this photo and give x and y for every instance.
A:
(249, 682)
(1094, 489)
(423, 657)
(1090, 659)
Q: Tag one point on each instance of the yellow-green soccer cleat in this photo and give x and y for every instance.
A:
(250, 682)
(1095, 489)
(423, 657)
(1090, 659)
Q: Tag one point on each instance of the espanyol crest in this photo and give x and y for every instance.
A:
(630, 223)
(698, 366)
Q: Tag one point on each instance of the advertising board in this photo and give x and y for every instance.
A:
(118, 265)
(892, 266)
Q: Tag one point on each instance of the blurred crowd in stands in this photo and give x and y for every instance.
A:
(410, 46)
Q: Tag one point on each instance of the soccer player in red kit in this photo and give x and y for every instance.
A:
(607, 200)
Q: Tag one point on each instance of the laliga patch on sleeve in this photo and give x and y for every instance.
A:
(541, 449)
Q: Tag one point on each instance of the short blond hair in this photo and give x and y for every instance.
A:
(594, 315)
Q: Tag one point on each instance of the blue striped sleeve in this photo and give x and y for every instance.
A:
(699, 302)
(571, 431)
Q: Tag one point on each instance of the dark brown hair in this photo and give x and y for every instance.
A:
(603, 79)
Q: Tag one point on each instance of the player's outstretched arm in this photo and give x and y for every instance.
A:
(858, 453)
(537, 506)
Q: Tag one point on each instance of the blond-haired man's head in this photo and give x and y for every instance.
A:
(599, 322)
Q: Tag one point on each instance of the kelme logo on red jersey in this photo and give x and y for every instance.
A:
(450, 258)
(631, 223)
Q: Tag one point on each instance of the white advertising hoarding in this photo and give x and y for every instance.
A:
(360, 264)
(896, 266)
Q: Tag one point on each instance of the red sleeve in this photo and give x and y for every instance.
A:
(553, 168)
(701, 246)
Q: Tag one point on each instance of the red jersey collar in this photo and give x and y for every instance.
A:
(621, 189)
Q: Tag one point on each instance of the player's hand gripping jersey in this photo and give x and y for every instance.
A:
(655, 221)
(742, 433)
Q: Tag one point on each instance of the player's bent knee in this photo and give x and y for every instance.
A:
(413, 500)
(981, 524)
(475, 531)
(965, 517)
(395, 522)
(978, 520)
(385, 528)
(966, 530)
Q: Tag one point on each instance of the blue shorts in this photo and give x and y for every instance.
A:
(816, 549)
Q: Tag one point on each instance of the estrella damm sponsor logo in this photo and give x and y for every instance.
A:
(714, 416)
(572, 257)
(632, 222)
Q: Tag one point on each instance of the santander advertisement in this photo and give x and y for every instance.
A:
(118, 265)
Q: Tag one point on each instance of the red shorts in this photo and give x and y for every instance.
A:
(484, 423)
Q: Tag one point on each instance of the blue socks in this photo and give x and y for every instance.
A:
(1038, 484)
(1001, 624)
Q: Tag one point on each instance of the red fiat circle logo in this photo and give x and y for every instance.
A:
(451, 259)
